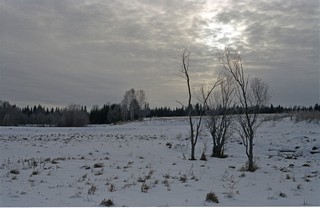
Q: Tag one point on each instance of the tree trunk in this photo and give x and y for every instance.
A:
(214, 147)
(193, 147)
(220, 151)
(214, 150)
(251, 167)
(217, 151)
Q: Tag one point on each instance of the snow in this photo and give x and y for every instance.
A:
(45, 166)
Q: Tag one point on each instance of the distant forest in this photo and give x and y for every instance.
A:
(77, 115)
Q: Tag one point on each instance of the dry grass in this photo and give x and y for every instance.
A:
(246, 167)
(98, 165)
(308, 116)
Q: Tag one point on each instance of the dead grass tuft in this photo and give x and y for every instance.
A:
(98, 165)
(14, 171)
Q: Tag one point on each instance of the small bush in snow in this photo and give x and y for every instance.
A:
(112, 188)
(107, 203)
(211, 197)
(144, 188)
(35, 172)
(98, 165)
(283, 195)
(183, 179)
(14, 171)
(288, 176)
(166, 176)
(299, 187)
(92, 189)
(306, 165)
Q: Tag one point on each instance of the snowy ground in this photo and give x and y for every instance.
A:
(133, 165)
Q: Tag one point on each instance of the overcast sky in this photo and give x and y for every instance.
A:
(59, 52)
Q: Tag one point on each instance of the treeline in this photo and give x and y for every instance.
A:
(77, 115)
(198, 109)
(73, 115)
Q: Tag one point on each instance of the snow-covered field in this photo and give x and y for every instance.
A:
(141, 164)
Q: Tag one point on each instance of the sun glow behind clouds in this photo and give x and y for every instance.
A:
(217, 33)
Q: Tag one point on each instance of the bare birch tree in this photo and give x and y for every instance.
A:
(133, 104)
(252, 95)
(141, 98)
(195, 125)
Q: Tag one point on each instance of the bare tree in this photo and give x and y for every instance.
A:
(141, 98)
(195, 126)
(134, 109)
(124, 108)
(73, 116)
(251, 96)
(220, 117)
(125, 104)
(133, 104)
(9, 114)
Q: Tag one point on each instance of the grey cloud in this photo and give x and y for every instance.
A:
(90, 52)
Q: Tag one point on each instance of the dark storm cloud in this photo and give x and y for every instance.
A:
(90, 52)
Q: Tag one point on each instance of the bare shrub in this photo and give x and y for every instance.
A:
(220, 115)
(230, 186)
